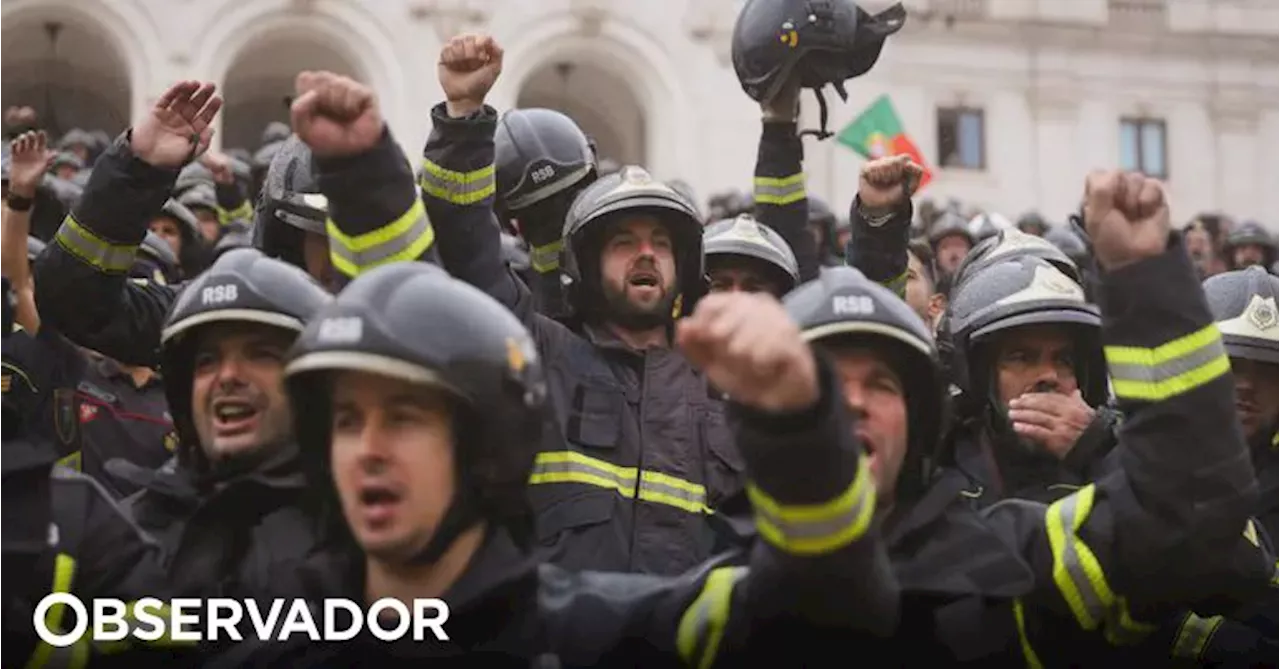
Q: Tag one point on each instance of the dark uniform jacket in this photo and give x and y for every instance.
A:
(805, 598)
(642, 453)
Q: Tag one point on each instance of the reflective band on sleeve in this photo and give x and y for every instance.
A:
(64, 573)
(1179, 366)
(545, 259)
(1193, 635)
(629, 482)
(71, 461)
(897, 284)
(779, 190)
(1251, 533)
(460, 188)
(242, 213)
(1079, 575)
(95, 251)
(702, 626)
(816, 529)
(405, 238)
(1028, 652)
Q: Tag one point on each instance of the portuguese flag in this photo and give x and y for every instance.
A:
(877, 132)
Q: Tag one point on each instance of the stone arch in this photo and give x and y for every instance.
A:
(602, 102)
(80, 64)
(256, 49)
(638, 68)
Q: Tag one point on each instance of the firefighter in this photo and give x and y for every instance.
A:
(1249, 244)
(951, 240)
(421, 395)
(741, 254)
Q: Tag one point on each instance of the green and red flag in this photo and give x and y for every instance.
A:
(877, 132)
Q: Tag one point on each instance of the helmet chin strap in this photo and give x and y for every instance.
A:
(823, 115)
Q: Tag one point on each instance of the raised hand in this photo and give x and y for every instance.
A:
(177, 129)
(469, 66)
(884, 183)
(29, 158)
(1127, 217)
(335, 115)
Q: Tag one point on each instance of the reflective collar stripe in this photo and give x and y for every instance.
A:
(897, 284)
(1079, 576)
(779, 190)
(460, 188)
(702, 626)
(64, 571)
(631, 483)
(403, 239)
(817, 529)
(1193, 635)
(1173, 368)
(97, 252)
(545, 259)
(1028, 652)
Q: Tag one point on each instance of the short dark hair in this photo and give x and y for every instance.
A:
(920, 248)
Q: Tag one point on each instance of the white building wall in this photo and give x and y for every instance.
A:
(1053, 77)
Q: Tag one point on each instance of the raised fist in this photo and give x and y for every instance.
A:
(176, 130)
(469, 66)
(749, 348)
(335, 115)
(1126, 216)
(29, 158)
(884, 183)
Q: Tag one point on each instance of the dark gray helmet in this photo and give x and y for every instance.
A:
(291, 203)
(74, 137)
(235, 235)
(1008, 243)
(191, 176)
(1069, 242)
(745, 237)
(243, 286)
(67, 159)
(1248, 233)
(188, 223)
(1017, 291)
(155, 261)
(948, 224)
(730, 204)
(538, 153)
(1032, 223)
(631, 190)
(985, 225)
(413, 322)
(843, 304)
(199, 197)
(1245, 305)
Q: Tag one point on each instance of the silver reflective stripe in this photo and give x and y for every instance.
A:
(779, 190)
(1194, 635)
(702, 627)
(794, 531)
(97, 252)
(389, 251)
(546, 258)
(1169, 369)
(648, 486)
(461, 188)
(1070, 556)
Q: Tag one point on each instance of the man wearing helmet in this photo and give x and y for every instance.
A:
(1249, 244)
(641, 450)
(743, 255)
(422, 432)
(1005, 585)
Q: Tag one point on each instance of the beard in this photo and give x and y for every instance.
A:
(627, 314)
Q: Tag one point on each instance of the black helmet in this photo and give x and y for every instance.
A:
(155, 261)
(1244, 304)
(1020, 290)
(242, 286)
(841, 303)
(235, 235)
(1010, 242)
(1069, 242)
(730, 204)
(414, 322)
(34, 247)
(948, 224)
(1248, 233)
(538, 153)
(745, 237)
(819, 41)
(632, 190)
(290, 203)
(1032, 223)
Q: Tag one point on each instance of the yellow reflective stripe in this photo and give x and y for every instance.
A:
(97, 252)
(816, 529)
(64, 572)
(21, 373)
(405, 238)
(242, 212)
(1079, 575)
(1251, 533)
(545, 259)
(1193, 635)
(897, 284)
(1173, 368)
(629, 482)
(461, 188)
(779, 190)
(1028, 652)
(71, 461)
(702, 626)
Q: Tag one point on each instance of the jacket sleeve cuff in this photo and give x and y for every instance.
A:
(880, 252)
(478, 126)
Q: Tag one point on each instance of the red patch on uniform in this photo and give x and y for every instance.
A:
(88, 412)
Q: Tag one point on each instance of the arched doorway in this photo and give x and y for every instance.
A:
(259, 84)
(66, 69)
(602, 103)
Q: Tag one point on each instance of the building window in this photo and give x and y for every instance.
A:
(1142, 147)
(962, 138)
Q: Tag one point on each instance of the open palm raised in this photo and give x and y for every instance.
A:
(177, 129)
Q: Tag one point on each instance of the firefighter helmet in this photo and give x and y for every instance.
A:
(539, 153)
(290, 204)
(745, 237)
(1245, 305)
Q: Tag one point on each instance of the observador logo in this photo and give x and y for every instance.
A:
(198, 620)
